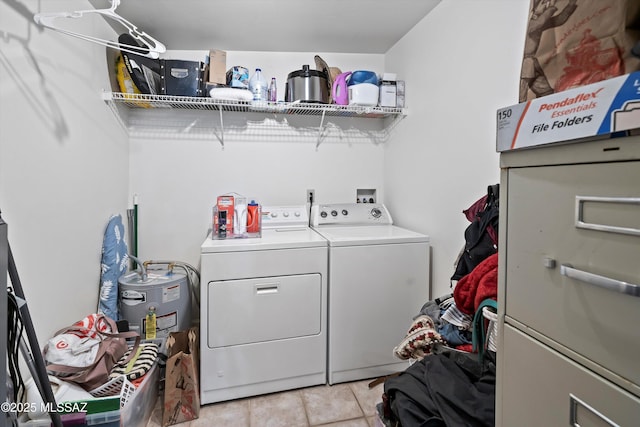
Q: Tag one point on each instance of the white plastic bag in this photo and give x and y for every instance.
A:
(77, 346)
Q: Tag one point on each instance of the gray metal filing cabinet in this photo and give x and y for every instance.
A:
(569, 285)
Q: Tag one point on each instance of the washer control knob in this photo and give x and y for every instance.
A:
(323, 214)
(285, 214)
(345, 212)
(297, 213)
(376, 213)
(274, 214)
(334, 213)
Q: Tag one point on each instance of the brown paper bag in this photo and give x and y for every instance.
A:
(181, 389)
(572, 43)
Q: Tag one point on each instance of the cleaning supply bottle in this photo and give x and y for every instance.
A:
(253, 217)
(150, 324)
(258, 86)
(273, 91)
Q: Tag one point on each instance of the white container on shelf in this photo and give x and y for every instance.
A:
(365, 94)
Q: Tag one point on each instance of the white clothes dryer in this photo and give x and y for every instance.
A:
(263, 309)
(378, 281)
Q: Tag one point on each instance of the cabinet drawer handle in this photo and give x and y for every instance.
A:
(579, 216)
(268, 288)
(601, 281)
(573, 412)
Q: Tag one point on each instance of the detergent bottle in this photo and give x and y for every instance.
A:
(253, 217)
(339, 91)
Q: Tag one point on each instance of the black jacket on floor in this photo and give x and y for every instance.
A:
(451, 389)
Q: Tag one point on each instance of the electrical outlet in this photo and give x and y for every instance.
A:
(311, 196)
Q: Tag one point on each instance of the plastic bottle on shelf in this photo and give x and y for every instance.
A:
(258, 86)
(273, 91)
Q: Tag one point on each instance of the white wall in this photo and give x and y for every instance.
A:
(461, 63)
(63, 162)
(177, 180)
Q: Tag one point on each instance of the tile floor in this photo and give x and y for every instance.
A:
(341, 405)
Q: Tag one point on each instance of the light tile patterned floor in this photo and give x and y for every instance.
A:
(341, 405)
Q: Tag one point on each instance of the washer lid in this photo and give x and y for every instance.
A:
(369, 235)
(286, 238)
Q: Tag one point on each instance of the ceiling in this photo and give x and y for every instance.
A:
(343, 26)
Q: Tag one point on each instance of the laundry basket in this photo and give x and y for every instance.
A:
(118, 386)
(135, 403)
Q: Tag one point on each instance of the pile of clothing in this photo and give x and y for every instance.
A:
(449, 320)
(451, 381)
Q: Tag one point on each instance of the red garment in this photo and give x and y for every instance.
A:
(475, 287)
(477, 207)
(465, 347)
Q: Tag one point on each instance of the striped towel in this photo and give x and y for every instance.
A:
(456, 317)
(140, 363)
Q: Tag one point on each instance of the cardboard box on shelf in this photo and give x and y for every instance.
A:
(217, 67)
(598, 110)
(388, 90)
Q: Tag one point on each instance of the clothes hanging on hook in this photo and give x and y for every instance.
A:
(151, 48)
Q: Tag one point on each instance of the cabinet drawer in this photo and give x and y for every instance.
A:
(540, 387)
(248, 311)
(543, 203)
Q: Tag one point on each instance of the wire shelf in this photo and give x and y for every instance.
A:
(146, 115)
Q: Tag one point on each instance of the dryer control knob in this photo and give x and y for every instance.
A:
(297, 213)
(285, 214)
(274, 214)
(323, 214)
(334, 213)
(345, 212)
(377, 213)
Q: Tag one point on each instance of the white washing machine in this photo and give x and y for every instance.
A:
(263, 309)
(378, 281)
